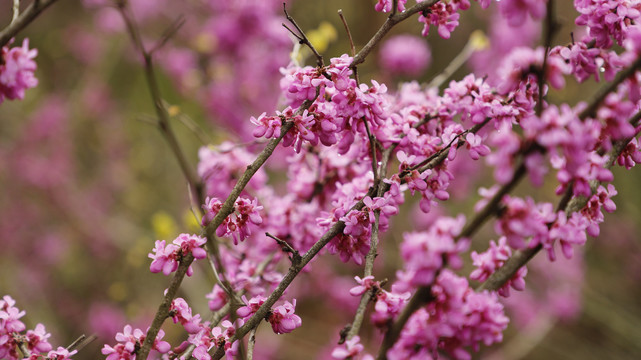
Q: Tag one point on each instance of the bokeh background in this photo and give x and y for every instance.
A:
(87, 183)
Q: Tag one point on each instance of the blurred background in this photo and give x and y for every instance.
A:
(88, 183)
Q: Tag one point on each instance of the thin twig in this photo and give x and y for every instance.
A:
(16, 11)
(351, 42)
(168, 34)
(286, 247)
(251, 343)
(386, 27)
(603, 92)
(548, 32)
(81, 342)
(454, 65)
(26, 17)
(302, 38)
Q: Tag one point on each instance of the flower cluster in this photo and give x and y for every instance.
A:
(17, 71)
(13, 339)
(456, 319)
(425, 253)
(491, 260)
(237, 225)
(282, 317)
(129, 341)
(166, 258)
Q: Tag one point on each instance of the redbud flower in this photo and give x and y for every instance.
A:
(405, 55)
(492, 259)
(283, 319)
(351, 349)
(166, 258)
(16, 71)
(129, 341)
(386, 5)
(181, 313)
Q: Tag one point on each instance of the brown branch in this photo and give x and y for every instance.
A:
(163, 310)
(386, 27)
(601, 94)
(521, 257)
(351, 42)
(302, 38)
(25, 18)
(551, 26)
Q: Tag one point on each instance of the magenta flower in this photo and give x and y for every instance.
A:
(17, 71)
(129, 341)
(515, 11)
(491, 260)
(386, 5)
(37, 339)
(405, 55)
(251, 306)
(236, 224)
(180, 312)
(167, 258)
(365, 284)
(283, 319)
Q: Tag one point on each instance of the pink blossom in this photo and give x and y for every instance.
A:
(129, 341)
(237, 224)
(180, 312)
(515, 11)
(405, 55)
(491, 260)
(386, 5)
(167, 258)
(251, 306)
(365, 284)
(283, 319)
(351, 349)
(443, 15)
(17, 71)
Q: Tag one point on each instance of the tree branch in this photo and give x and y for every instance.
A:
(27, 16)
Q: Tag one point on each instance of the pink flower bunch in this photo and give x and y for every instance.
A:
(35, 341)
(237, 224)
(516, 11)
(386, 5)
(17, 71)
(129, 341)
(207, 338)
(491, 260)
(443, 15)
(631, 155)
(522, 219)
(519, 63)
(388, 305)
(405, 55)
(166, 258)
(586, 62)
(425, 253)
(602, 199)
(282, 317)
(59, 354)
(567, 231)
(180, 312)
(351, 349)
(607, 19)
(219, 167)
(251, 306)
(456, 319)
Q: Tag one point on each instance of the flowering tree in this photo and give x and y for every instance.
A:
(358, 155)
